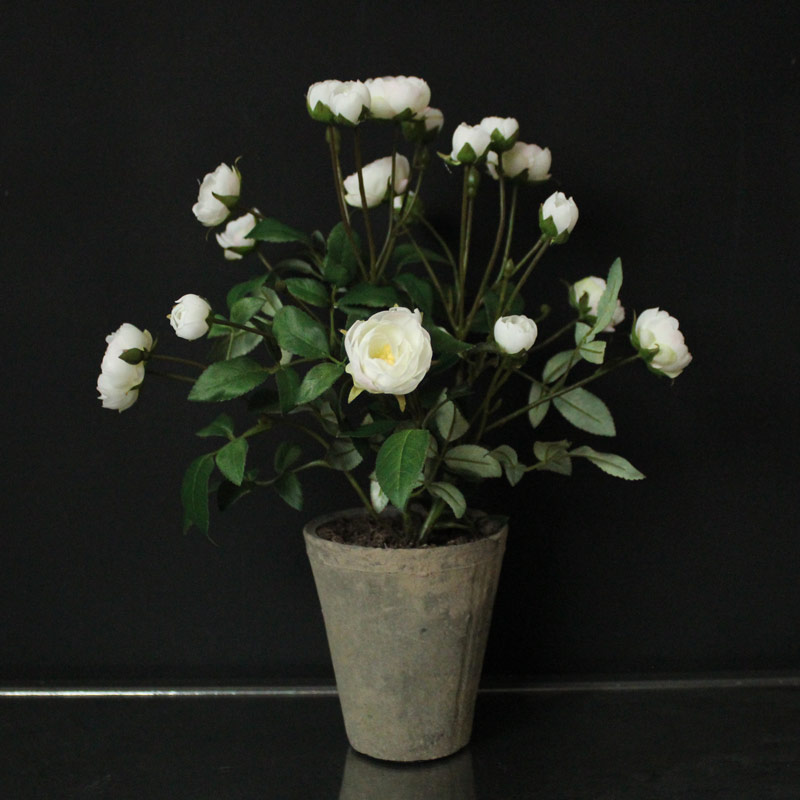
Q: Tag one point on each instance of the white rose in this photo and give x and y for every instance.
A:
(470, 142)
(389, 353)
(539, 160)
(593, 287)
(225, 182)
(189, 317)
(502, 131)
(348, 101)
(433, 119)
(233, 238)
(657, 329)
(562, 211)
(118, 382)
(377, 177)
(318, 98)
(393, 96)
(515, 333)
(525, 160)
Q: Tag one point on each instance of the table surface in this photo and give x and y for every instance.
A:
(598, 742)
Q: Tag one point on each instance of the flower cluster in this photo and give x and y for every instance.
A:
(395, 344)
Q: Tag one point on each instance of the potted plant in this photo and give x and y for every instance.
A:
(389, 349)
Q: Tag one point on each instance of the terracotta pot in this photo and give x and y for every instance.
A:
(407, 631)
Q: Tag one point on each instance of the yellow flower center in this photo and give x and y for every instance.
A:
(385, 354)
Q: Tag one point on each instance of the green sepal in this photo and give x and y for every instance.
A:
(228, 200)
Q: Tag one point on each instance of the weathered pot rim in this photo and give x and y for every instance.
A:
(361, 558)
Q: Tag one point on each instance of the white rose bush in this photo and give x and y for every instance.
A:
(390, 352)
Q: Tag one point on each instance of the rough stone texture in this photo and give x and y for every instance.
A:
(407, 632)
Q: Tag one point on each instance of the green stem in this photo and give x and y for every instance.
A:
(446, 251)
(552, 338)
(186, 361)
(511, 219)
(525, 275)
(360, 492)
(430, 520)
(364, 209)
(248, 328)
(263, 260)
(173, 375)
(435, 281)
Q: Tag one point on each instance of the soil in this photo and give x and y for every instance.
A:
(387, 532)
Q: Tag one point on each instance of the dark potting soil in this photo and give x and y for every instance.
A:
(387, 532)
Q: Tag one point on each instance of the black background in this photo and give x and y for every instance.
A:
(675, 128)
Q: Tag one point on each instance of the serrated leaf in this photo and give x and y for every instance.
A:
(285, 455)
(444, 343)
(451, 495)
(289, 488)
(194, 492)
(553, 456)
(221, 426)
(607, 303)
(537, 413)
(556, 366)
(245, 288)
(586, 411)
(288, 385)
(370, 429)
(419, 291)
(407, 253)
(272, 303)
(271, 230)
(327, 416)
(399, 463)
(317, 380)
(237, 343)
(298, 333)
(365, 294)
(340, 264)
(594, 352)
(309, 291)
(472, 460)
(231, 460)
(294, 264)
(583, 331)
(450, 421)
(342, 454)
(509, 461)
(612, 464)
(225, 380)
(244, 309)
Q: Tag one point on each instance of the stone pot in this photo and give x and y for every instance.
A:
(407, 631)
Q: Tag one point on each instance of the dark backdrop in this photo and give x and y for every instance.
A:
(674, 126)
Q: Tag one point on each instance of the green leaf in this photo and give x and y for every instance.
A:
(343, 455)
(245, 309)
(586, 411)
(241, 290)
(309, 291)
(419, 290)
(340, 264)
(231, 460)
(288, 385)
(365, 294)
(271, 301)
(553, 456)
(407, 253)
(298, 333)
(221, 426)
(451, 495)
(443, 342)
(614, 465)
(376, 428)
(450, 421)
(285, 455)
(295, 265)
(473, 460)
(317, 380)
(271, 230)
(507, 456)
(288, 487)
(242, 344)
(607, 303)
(399, 463)
(594, 352)
(556, 366)
(225, 380)
(537, 413)
(194, 492)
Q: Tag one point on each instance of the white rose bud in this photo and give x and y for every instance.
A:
(224, 182)
(397, 96)
(657, 329)
(118, 382)
(318, 98)
(377, 177)
(558, 216)
(593, 287)
(526, 161)
(389, 353)
(433, 119)
(234, 238)
(349, 101)
(503, 131)
(189, 317)
(539, 161)
(515, 334)
(470, 142)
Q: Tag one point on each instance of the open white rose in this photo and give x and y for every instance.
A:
(515, 333)
(393, 96)
(502, 131)
(389, 353)
(189, 317)
(224, 182)
(561, 211)
(470, 142)
(233, 238)
(657, 329)
(593, 287)
(377, 177)
(118, 382)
